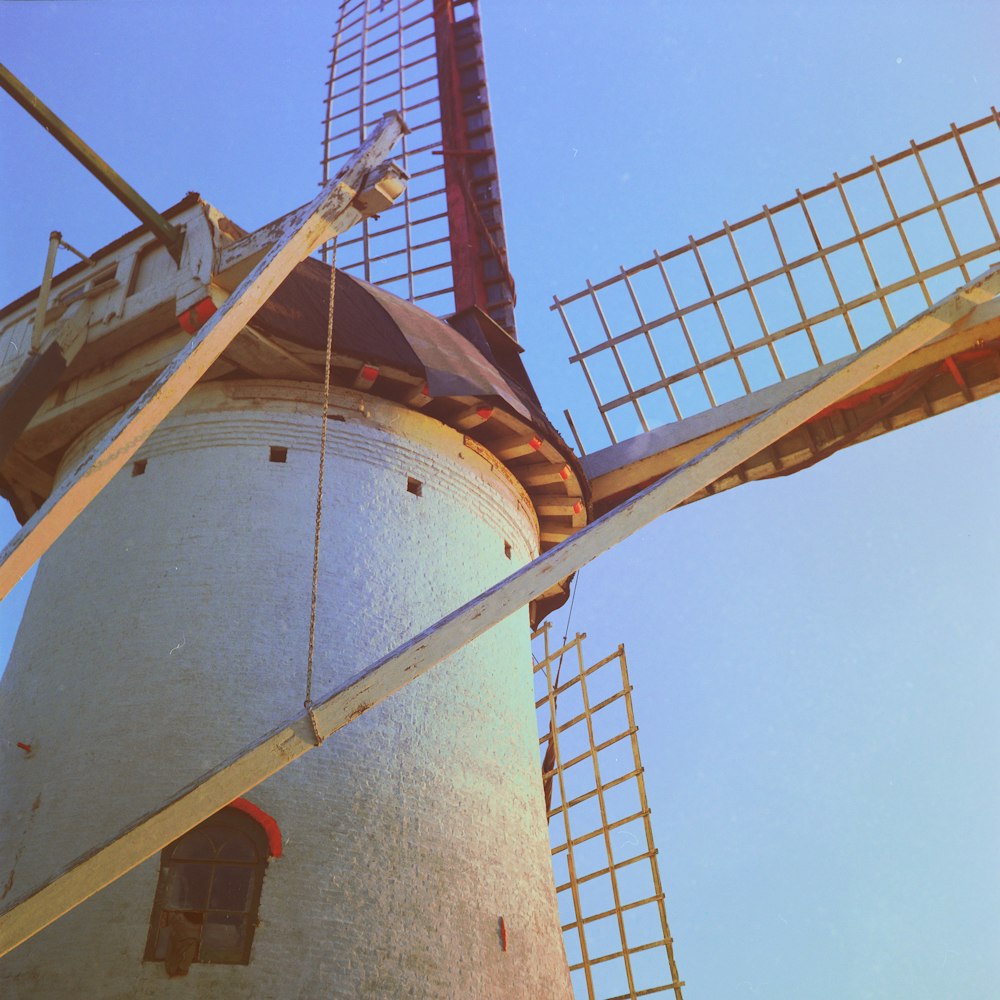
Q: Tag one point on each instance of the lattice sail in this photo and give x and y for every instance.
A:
(607, 877)
(442, 244)
(796, 286)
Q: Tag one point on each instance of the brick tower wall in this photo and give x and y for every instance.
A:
(168, 628)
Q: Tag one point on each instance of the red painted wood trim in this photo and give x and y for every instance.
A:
(467, 273)
(193, 319)
(269, 823)
(971, 354)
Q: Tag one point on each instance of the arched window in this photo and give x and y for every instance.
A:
(205, 908)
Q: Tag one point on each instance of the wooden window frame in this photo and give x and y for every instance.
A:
(236, 817)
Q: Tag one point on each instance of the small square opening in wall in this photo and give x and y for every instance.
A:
(506, 549)
(139, 467)
(278, 454)
(414, 486)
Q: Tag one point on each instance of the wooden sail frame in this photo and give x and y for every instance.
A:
(442, 244)
(790, 289)
(618, 942)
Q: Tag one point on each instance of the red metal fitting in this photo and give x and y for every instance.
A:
(365, 377)
(536, 443)
(485, 412)
(578, 507)
(26, 747)
(564, 472)
(193, 319)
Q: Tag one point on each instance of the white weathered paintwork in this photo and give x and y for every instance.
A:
(121, 290)
(292, 238)
(168, 627)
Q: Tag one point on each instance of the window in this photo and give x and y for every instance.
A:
(205, 908)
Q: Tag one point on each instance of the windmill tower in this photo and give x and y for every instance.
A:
(417, 517)
(405, 387)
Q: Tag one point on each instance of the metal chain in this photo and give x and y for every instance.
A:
(308, 703)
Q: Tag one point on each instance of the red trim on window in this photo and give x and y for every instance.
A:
(269, 823)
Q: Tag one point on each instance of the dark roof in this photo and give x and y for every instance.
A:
(463, 358)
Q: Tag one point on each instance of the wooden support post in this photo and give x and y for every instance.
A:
(298, 235)
(473, 417)
(557, 506)
(546, 476)
(417, 396)
(235, 777)
(43, 293)
(515, 446)
(365, 378)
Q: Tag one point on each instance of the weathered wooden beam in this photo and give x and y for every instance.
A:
(622, 468)
(167, 234)
(382, 184)
(23, 470)
(260, 355)
(236, 776)
(301, 233)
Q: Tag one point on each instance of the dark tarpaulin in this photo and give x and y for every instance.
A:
(470, 355)
(375, 326)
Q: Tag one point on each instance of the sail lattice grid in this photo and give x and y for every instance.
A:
(792, 288)
(608, 886)
(442, 243)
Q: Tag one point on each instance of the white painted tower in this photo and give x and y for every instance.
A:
(168, 628)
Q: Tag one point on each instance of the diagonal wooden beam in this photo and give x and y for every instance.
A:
(291, 740)
(167, 234)
(297, 236)
(621, 470)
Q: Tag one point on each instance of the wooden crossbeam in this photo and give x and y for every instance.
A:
(291, 240)
(620, 469)
(235, 777)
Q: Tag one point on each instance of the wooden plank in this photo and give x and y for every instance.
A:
(301, 233)
(383, 182)
(23, 471)
(94, 394)
(236, 776)
(260, 355)
(22, 397)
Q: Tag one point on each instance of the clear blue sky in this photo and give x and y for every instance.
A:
(814, 658)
